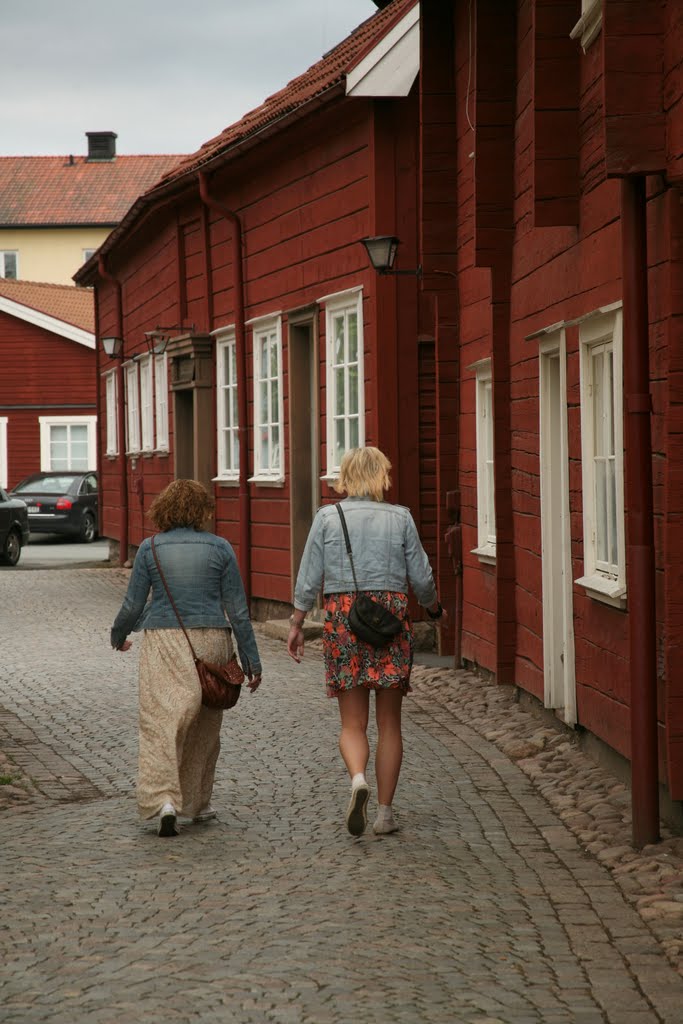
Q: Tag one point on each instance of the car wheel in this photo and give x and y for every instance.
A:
(12, 548)
(88, 529)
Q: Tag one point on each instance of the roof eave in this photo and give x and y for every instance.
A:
(164, 193)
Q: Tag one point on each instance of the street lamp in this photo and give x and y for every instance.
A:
(381, 250)
(158, 339)
(113, 347)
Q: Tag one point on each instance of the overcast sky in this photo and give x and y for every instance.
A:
(166, 75)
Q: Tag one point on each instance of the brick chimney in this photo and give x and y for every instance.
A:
(101, 147)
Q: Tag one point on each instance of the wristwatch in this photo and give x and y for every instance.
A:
(437, 614)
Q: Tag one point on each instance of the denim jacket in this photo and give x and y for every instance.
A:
(387, 553)
(202, 574)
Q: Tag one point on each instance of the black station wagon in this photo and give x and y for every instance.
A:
(13, 528)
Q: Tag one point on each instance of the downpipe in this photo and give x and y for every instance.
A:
(121, 419)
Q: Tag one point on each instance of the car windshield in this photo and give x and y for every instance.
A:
(47, 485)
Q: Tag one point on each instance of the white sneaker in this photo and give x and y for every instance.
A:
(207, 814)
(384, 825)
(357, 813)
(167, 821)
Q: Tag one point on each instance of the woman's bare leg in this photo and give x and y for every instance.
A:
(353, 739)
(389, 743)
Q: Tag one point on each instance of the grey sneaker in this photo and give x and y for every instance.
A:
(168, 821)
(207, 814)
(384, 824)
(357, 813)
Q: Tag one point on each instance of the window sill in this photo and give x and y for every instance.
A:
(330, 478)
(267, 481)
(162, 452)
(226, 481)
(600, 588)
(485, 554)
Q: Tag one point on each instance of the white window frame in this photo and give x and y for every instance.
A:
(161, 401)
(88, 253)
(130, 372)
(589, 25)
(268, 327)
(111, 391)
(603, 581)
(146, 405)
(47, 422)
(336, 305)
(3, 254)
(227, 419)
(486, 496)
(4, 469)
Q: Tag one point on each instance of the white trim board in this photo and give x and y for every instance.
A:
(49, 323)
(392, 65)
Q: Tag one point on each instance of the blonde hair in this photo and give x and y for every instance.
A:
(364, 473)
(182, 503)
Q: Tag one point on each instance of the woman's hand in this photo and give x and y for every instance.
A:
(295, 642)
(254, 682)
(125, 646)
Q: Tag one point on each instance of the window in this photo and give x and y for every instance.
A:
(111, 392)
(227, 415)
(88, 253)
(146, 404)
(132, 409)
(587, 28)
(344, 375)
(268, 414)
(9, 264)
(486, 507)
(67, 442)
(602, 461)
(3, 451)
(161, 401)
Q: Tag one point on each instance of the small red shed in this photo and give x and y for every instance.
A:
(48, 387)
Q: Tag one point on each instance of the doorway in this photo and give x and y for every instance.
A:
(558, 612)
(304, 429)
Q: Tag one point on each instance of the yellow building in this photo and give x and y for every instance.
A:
(56, 210)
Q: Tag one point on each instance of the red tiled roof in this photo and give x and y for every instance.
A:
(52, 191)
(320, 77)
(64, 302)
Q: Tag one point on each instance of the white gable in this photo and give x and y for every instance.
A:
(391, 67)
(50, 323)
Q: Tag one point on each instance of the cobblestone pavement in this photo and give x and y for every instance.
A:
(484, 909)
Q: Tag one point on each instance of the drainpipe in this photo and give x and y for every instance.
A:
(120, 411)
(640, 548)
(241, 353)
(98, 411)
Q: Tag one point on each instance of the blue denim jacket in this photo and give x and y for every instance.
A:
(202, 574)
(387, 553)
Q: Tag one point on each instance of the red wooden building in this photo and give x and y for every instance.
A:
(48, 387)
(525, 384)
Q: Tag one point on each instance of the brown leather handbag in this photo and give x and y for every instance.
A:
(221, 684)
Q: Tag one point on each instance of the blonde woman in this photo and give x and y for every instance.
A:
(387, 555)
(179, 737)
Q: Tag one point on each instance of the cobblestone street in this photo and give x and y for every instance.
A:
(483, 909)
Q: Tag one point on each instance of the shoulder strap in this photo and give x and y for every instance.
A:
(170, 597)
(348, 543)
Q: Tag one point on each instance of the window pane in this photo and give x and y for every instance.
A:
(264, 449)
(263, 358)
(353, 389)
(273, 355)
(601, 511)
(275, 448)
(275, 401)
(353, 337)
(263, 407)
(235, 450)
(11, 265)
(612, 501)
(340, 441)
(353, 432)
(609, 400)
(598, 404)
(339, 391)
(338, 339)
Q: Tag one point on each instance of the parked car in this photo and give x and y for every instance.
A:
(13, 528)
(61, 502)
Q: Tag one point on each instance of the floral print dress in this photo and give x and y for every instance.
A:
(351, 662)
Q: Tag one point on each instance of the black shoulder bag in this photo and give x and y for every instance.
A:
(369, 620)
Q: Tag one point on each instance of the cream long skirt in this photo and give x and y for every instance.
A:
(179, 737)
